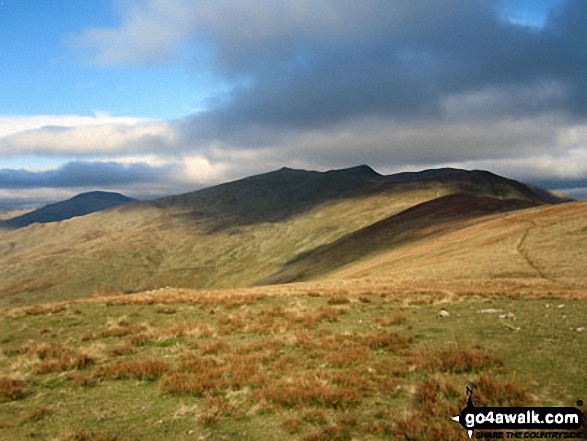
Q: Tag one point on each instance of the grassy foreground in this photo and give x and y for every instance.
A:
(189, 365)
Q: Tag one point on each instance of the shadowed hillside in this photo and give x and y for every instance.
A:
(246, 232)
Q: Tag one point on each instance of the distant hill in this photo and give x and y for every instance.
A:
(278, 227)
(79, 205)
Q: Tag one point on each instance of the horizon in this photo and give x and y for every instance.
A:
(160, 97)
(31, 207)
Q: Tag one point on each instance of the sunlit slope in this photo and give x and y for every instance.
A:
(543, 245)
(423, 222)
(233, 235)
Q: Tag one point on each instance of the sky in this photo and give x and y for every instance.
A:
(157, 97)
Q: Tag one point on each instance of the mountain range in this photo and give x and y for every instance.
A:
(447, 225)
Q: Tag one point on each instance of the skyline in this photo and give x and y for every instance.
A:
(157, 97)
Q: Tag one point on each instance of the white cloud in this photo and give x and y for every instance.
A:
(82, 135)
(154, 31)
(13, 124)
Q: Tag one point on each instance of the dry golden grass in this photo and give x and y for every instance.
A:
(302, 392)
(121, 350)
(83, 381)
(12, 389)
(92, 436)
(279, 358)
(35, 415)
(44, 309)
(336, 432)
(453, 360)
(145, 369)
(59, 359)
(492, 393)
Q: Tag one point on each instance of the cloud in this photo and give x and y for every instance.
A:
(13, 124)
(332, 83)
(83, 174)
(303, 63)
(80, 135)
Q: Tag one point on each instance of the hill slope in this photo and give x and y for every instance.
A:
(79, 205)
(244, 232)
(421, 222)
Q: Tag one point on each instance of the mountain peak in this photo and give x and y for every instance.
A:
(79, 205)
(358, 171)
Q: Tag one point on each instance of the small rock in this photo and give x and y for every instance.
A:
(560, 306)
(489, 311)
(443, 313)
(514, 328)
(581, 329)
(508, 316)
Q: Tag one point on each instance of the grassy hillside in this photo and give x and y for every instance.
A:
(236, 234)
(301, 361)
(543, 245)
(404, 290)
(416, 224)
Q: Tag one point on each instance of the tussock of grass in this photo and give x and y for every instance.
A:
(438, 396)
(144, 369)
(59, 359)
(217, 407)
(83, 381)
(453, 360)
(35, 415)
(489, 392)
(434, 399)
(12, 389)
(335, 432)
(166, 310)
(92, 436)
(44, 309)
(204, 374)
(338, 300)
(120, 331)
(389, 341)
(301, 392)
(121, 350)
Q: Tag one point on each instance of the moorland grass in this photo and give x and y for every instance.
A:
(297, 366)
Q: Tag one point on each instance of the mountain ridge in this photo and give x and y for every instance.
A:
(247, 232)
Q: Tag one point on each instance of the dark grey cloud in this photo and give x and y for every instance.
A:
(561, 183)
(85, 174)
(401, 60)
